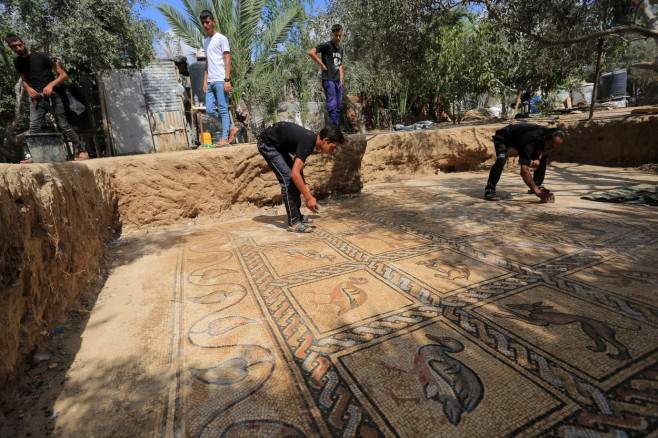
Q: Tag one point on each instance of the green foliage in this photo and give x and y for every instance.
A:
(460, 61)
(87, 35)
(256, 30)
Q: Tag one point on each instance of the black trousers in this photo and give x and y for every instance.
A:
(499, 165)
(281, 165)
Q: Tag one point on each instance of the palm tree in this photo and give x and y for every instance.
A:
(255, 30)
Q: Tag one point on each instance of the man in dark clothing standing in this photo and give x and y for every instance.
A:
(333, 74)
(45, 89)
(286, 146)
(532, 142)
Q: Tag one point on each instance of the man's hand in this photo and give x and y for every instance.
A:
(323, 67)
(546, 196)
(228, 87)
(48, 90)
(534, 164)
(312, 204)
(33, 93)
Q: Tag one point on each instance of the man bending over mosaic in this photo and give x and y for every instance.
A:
(533, 143)
(286, 146)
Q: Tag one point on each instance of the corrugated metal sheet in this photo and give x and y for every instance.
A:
(162, 90)
(161, 86)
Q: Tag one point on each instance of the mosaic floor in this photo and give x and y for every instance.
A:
(417, 309)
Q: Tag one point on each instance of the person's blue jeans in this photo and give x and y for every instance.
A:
(217, 105)
(333, 91)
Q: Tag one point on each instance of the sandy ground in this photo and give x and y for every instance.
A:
(238, 328)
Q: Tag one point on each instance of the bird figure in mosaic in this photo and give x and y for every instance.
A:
(446, 270)
(302, 254)
(447, 380)
(347, 295)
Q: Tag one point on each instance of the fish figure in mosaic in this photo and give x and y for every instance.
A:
(446, 380)
(600, 332)
(446, 270)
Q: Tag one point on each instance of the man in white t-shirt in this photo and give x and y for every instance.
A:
(217, 80)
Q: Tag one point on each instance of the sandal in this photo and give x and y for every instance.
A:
(308, 221)
(300, 227)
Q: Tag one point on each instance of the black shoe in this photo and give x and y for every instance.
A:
(491, 196)
(530, 192)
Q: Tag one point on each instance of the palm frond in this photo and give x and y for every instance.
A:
(250, 14)
(193, 10)
(181, 26)
(278, 30)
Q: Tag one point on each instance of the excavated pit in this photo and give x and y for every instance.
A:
(57, 220)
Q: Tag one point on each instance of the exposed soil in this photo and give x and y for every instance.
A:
(56, 220)
(162, 189)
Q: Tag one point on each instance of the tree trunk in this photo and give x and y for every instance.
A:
(519, 93)
(18, 90)
(503, 105)
(10, 148)
(597, 77)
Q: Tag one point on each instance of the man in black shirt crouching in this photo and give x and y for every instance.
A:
(286, 146)
(45, 89)
(533, 143)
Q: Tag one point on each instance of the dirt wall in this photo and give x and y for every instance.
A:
(402, 154)
(162, 189)
(632, 141)
(54, 223)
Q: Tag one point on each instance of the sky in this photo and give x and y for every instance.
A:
(152, 12)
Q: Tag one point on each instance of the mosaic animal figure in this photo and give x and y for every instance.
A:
(542, 315)
(622, 278)
(310, 254)
(446, 380)
(346, 295)
(446, 270)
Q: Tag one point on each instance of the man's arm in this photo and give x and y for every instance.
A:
(298, 180)
(62, 76)
(228, 87)
(313, 53)
(342, 74)
(527, 178)
(31, 91)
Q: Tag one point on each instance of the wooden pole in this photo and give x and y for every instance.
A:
(597, 78)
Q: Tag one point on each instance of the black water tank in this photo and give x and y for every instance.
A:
(197, 73)
(613, 85)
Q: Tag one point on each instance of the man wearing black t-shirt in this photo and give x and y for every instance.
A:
(286, 146)
(45, 90)
(532, 142)
(333, 74)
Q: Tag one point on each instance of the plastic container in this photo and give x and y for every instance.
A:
(206, 139)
